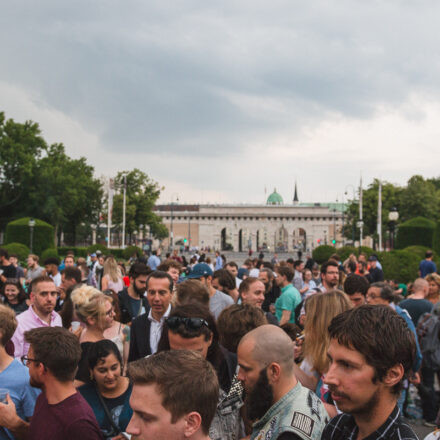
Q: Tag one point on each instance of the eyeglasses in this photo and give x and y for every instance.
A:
(25, 360)
(190, 323)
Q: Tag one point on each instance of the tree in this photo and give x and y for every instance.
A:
(21, 147)
(141, 196)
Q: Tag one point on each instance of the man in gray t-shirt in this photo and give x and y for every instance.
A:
(218, 300)
(33, 270)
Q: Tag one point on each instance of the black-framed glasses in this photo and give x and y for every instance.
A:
(174, 322)
(25, 360)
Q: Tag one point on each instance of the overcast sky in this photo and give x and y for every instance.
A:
(217, 101)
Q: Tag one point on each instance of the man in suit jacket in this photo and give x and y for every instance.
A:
(146, 329)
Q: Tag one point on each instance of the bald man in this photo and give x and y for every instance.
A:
(280, 406)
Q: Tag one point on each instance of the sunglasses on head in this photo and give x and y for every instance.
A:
(190, 323)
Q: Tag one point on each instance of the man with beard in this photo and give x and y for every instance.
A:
(280, 406)
(371, 352)
(272, 291)
(131, 299)
(61, 413)
(329, 276)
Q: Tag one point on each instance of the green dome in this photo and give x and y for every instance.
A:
(274, 199)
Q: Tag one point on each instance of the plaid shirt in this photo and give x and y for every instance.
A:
(343, 427)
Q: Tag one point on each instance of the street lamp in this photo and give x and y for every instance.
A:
(31, 229)
(353, 199)
(393, 216)
(170, 248)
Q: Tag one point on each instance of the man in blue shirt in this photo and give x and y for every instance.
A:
(153, 261)
(427, 266)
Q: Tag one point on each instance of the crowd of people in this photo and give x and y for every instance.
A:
(209, 349)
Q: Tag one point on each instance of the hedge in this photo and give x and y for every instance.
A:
(97, 247)
(21, 250)
(130, 250)
(18, 231)
(51, 252)
(400, 265)
(345, 251)
(416, 231)
(436, 238)
(323, 253)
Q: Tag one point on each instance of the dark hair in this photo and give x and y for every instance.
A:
(286, 271)
(386, 292)
(232, 264)
(138, 269)
(4, 253)
(14, 282)
(290, 261)
(356, 284)
(72, 273)
(52, 260)
(380, 335)
(185, 380)
(225, 279)
(38, 280)
(190, 291)
(292, 330)
(352, 266)
(297, 263)
(428, 254)
(328, 263)
(237, 320)
(115, 302)
(100, 350)
(57, 349)
(66, 311)
(158, 274)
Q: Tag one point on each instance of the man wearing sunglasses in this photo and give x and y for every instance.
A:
(146, 329)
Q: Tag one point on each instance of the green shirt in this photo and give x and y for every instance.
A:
(288, 300)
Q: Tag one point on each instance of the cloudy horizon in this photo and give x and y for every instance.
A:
(219, 103)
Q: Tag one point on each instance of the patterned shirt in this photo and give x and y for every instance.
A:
(343, 427)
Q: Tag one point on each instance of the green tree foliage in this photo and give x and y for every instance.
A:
(400, 265)
(19, 249)
(141, 196)
(323, 253)
(417, 231)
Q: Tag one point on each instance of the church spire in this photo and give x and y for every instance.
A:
(295, 196)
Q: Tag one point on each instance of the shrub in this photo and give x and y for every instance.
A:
(323, 253)
(436, 238)
(51, 252)
(345, 251)
(97, 247)
(366, 250)
(416, 231)
(18, 231)
(399, 265)
(130, 250)
(21, 250)
(417, 250)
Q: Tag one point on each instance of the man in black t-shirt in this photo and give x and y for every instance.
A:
(7, 269)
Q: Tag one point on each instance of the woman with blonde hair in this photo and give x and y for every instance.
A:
(434, 287)
(320, 309)
(95, 312)
(112, 277)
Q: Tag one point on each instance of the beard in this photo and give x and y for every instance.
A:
(139, 292)
(364, 409)
(259, 399)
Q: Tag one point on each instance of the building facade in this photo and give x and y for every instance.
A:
(273, 226)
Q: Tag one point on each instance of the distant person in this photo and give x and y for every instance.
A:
(112, 276)
(14, 296)
(356, 287)
(153, 260)
(427, 266)
(289, 299)
(416, 304)
(13, 259)
(33, 269)
(179, 390)
(51, 265)
(375, 273)
(7, 269)
(218, 261)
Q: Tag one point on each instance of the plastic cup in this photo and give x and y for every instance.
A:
(75, 325)
(3, 395)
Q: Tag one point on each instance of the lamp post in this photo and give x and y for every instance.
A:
(393, 216)
(31, 230)
(353, 199)
(170, 247)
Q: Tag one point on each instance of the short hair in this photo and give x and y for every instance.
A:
(352, 266)
(159, 275)
(185, 380)
(429, 254)
(237, 320)
(290, 261)
(232, 264)
(246, 284)
(72, 273)
(297, 263)
(38, 280)
(385, 291)
(138, 269)
(57, 348)
(225, 279)
(52, 260)
(286, 271)
(356, 284)
(8, 324)
(380, 335)
(269, 272)
(4, 253)
(192, 291)
(69, 255)
(292, 330)
(36, 258)
(328, 263)
(100, 350)
(168, 264)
